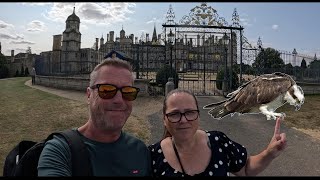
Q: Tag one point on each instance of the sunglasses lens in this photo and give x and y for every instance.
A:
(107, 91)
(129, 93)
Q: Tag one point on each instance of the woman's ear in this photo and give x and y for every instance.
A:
(165, 121)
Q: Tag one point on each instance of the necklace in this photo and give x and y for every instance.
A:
(177, 154)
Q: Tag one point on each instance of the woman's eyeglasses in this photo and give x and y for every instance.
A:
(190, 115)
(108, 91)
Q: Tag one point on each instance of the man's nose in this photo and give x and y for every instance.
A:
(118, 96)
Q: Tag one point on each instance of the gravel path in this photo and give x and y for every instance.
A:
(301, 158)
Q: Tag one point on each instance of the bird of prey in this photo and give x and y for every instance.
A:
(264, 94)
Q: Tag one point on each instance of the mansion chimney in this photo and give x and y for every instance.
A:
(112, 36)
(97, 43)
(136, 40)
(12, 55)
(56, 42)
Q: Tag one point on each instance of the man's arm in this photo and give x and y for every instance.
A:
(55, 158)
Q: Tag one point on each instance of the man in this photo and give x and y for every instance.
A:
(33, 75)
(112, 151)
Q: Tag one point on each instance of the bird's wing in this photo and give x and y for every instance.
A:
(236, 91)
(261, 90)
(229, 96)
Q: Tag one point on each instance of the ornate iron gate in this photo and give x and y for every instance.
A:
(201, 45)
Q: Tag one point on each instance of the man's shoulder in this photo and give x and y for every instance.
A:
(57, 142)
(132, 139)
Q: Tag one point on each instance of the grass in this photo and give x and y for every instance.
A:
(30, 114)
(307, 118)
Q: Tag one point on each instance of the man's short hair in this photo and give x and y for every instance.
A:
(116, 62)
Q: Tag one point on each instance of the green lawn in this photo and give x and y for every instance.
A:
(28, 113)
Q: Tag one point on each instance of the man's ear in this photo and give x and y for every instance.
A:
(88, 94)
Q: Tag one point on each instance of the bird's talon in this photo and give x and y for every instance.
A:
(268, 117)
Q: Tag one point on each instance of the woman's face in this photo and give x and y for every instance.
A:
(181, 103)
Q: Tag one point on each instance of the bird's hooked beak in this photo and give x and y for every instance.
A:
(298, 106)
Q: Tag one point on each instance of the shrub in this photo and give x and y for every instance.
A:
(164, 73)
(22, 71)
(26, 72)
(4, 71)
(220, 76)
(17, 73)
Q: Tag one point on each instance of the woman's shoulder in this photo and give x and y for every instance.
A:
(219, 137)
(216, 134)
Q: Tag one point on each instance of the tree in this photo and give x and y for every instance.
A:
(268, 58)
(303, 64)
(247, 69)
(315, 65)
(288, 68)
(4, 71)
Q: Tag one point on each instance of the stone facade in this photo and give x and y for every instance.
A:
(80, 83)
(21, 60)
(68, 58)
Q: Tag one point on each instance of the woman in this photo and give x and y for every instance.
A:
(186, 150)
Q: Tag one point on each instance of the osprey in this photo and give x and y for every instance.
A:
(264, 94)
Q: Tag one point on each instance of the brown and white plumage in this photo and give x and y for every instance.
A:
(263, 94)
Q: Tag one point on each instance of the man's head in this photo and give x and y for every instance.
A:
(116, 62)
(110, 94)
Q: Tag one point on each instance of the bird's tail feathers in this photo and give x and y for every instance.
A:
(219, 111)
(212, 105)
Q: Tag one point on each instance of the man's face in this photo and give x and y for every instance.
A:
(110, 114)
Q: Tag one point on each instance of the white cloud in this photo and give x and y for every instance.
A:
(36, 4)
(275, 27)
(22, 42)
(245, 20)
(20, 50)
(83, 27)
(4, 25)
(7, 32)
(10, 39)
(154, 20)
(7, 35)
(36, 26)
(92, 13)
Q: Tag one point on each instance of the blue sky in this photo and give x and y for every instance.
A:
(283, 26)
